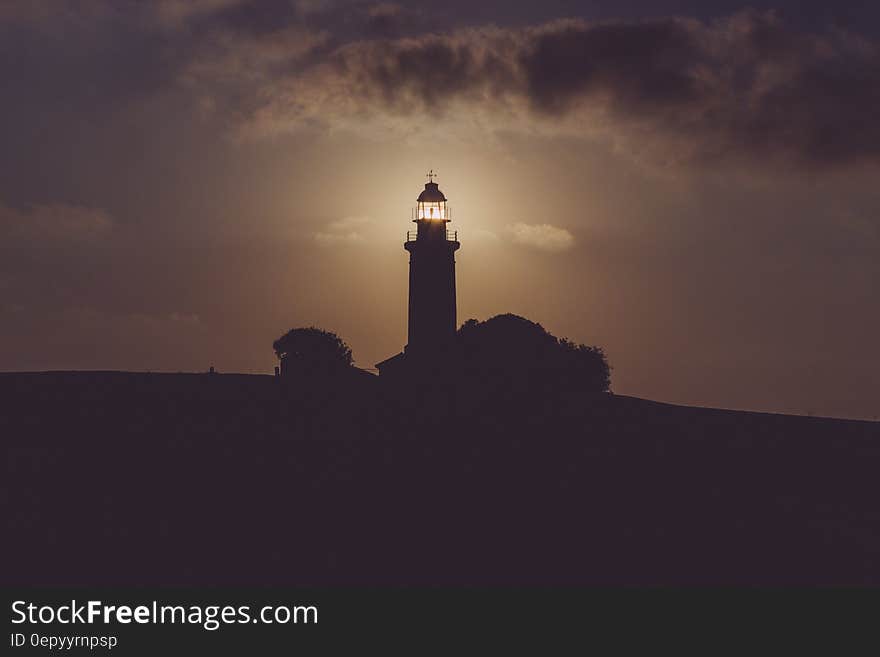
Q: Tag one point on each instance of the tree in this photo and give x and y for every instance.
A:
(504, 342)
(510, 350)
(312, 349)
(585, 366)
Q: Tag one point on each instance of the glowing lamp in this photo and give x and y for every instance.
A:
(432, 210)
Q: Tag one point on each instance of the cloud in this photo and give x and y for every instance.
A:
(543, 237)
(389, 19)
(225, 56)
(346, 230)
(670, 90)
(747, 88)
(53, 223)
(176, 13)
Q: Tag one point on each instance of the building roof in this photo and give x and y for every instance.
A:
(431, 194)
(390, 363)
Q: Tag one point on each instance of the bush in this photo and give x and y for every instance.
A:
(312, 350)
(511, 351)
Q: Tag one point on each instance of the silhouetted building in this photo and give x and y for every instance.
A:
(432, 305)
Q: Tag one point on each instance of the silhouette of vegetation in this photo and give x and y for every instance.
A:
(312, 350)
(509, 349)
(585, 367)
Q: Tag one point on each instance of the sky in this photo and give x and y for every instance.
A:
(692, 186)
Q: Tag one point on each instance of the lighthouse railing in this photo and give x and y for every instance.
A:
(451, 235)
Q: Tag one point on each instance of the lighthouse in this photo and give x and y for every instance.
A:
(432, 305)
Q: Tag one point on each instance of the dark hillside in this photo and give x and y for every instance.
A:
(120, 478)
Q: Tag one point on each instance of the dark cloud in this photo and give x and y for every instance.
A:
(636, 67)
(425, 74)
(388, 19)
(746, 87)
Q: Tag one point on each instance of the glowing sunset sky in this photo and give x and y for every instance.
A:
(691, 185)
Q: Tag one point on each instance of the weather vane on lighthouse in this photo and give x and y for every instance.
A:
(432, 305)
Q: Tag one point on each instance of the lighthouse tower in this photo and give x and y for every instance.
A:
(432, 250)
(432, 307)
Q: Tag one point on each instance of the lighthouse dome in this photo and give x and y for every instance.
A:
(431, 194)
